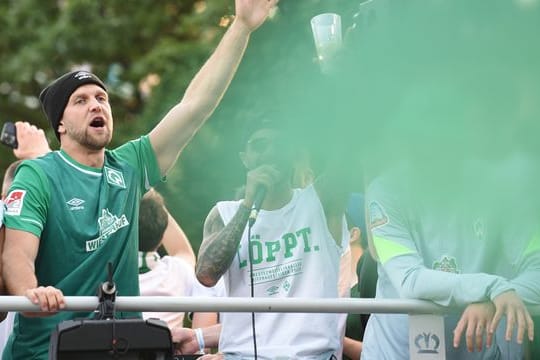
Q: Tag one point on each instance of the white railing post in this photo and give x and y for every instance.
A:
(426, 337)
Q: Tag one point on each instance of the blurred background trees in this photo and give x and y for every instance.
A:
(429, 82)
(147, 52)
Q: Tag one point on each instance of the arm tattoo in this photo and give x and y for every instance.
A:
(219, 245)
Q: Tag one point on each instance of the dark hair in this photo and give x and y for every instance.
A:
(355, 216)
(153, 220)
(253, 126)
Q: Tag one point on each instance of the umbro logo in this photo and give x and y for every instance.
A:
(75, 204)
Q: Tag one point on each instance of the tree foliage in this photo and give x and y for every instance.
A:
(400, 87)
(124, 43)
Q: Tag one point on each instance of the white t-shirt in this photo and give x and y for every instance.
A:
(1, 213)
(6, 327)
(294, 256)
(168, 276)
(218, 290)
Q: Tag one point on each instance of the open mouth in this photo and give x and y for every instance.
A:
(97, 122)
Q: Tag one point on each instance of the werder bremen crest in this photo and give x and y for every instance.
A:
(446, 264)
(108, 224)
(114, 177)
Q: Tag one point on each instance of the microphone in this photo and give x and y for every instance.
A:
(258, 199)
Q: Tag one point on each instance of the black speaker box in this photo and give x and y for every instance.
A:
(126, 339)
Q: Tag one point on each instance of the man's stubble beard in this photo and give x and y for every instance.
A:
(85, 139)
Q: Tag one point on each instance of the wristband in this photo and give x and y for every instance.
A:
(200, 339)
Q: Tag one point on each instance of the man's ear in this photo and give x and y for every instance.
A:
(61, 129)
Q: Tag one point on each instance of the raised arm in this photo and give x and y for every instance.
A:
(333, 196)
(205, 91)
(176, 242)
(219, 245)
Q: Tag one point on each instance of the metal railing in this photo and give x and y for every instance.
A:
(419, 310)
(210, 304)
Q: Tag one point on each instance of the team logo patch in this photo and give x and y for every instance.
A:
(446, 264)
(114, 177)
(14, 202)
(286, 285)
(377, 215)
(75, 204)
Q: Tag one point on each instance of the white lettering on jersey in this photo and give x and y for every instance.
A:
(108, 224)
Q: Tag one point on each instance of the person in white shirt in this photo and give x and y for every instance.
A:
(170, 275)
(296, 244)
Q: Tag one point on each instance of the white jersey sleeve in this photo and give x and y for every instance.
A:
(526, 282)
(402, 253)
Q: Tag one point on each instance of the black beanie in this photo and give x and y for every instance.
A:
(54, 97)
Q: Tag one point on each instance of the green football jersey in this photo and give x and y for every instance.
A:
(85, 218)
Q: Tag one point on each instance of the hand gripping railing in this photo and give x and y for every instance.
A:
(414, 308)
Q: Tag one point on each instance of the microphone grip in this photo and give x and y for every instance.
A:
(258, 199)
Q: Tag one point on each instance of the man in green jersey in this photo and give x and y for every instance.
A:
(72, 211)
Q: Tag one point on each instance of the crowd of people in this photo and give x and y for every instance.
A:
(280, 238)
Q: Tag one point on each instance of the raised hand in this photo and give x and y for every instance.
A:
(265, 176)
(252, 13)
(31, 141)
(475, 321)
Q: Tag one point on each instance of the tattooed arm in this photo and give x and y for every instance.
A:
(219, 244)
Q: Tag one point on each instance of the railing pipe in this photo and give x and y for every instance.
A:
(222, 304)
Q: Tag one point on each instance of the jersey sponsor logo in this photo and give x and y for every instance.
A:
(75, 204)
(446, 264)
(114, 177)
(14, 202)
(108, 224)
(377, 215)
